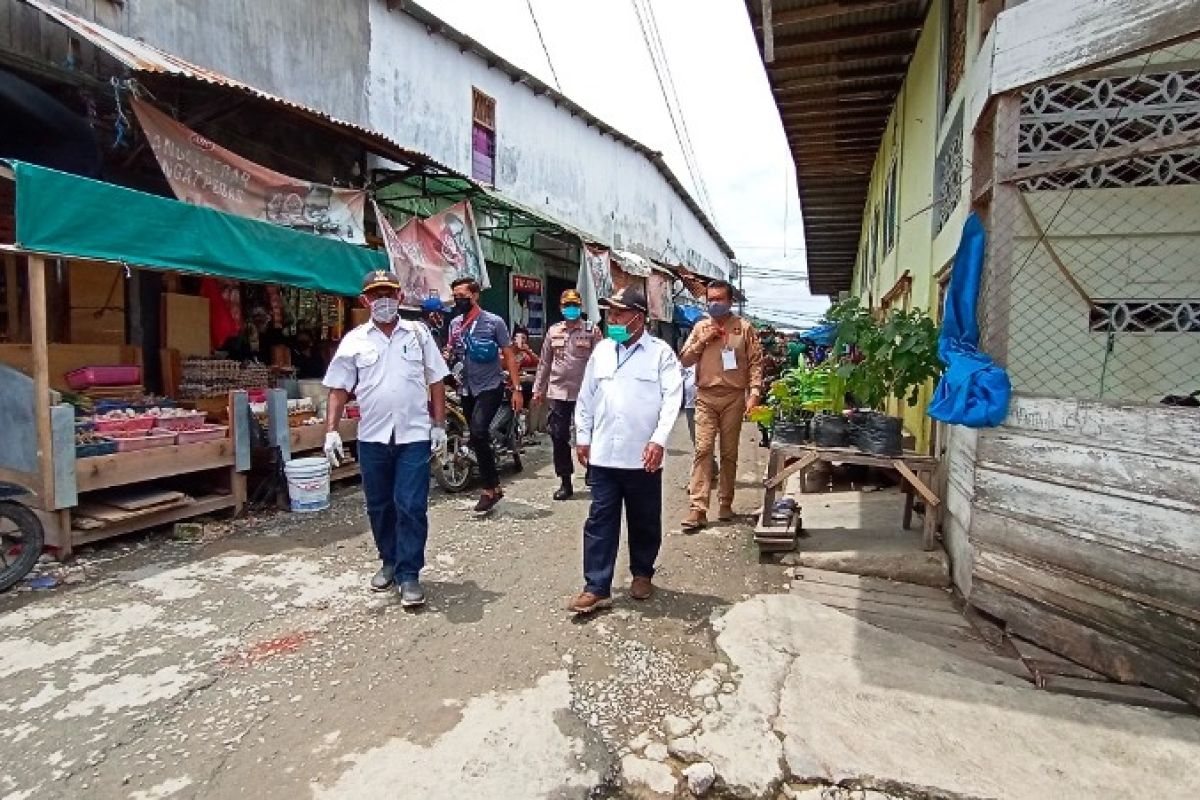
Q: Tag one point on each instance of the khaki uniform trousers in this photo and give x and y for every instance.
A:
(719, 412)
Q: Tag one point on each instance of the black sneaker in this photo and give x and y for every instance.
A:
(486, 503)
(565, 491)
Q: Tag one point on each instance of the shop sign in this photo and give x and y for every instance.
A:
(524, 284)
(203, 173)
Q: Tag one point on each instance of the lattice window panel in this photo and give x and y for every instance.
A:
(1145, 316)
(1065, 118)
(948, 174)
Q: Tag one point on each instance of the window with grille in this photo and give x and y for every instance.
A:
(483, 137)
(890, 199)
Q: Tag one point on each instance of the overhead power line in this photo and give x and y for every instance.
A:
(542, 39)
(666, 85)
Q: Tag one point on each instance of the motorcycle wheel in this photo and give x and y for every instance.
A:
(452, 471)
(21, 542)
(514, 443)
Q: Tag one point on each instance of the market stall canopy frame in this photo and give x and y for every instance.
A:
(64, 215)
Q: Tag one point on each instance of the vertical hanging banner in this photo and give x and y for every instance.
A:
(595, 279)
(203, 173)
(430, 254)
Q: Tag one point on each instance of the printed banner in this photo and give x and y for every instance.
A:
(203, 173)
(659, 296)
(595, 279)
(430, 254)
(525, 307)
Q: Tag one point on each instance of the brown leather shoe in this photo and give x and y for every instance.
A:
(586, 603)
(641, 588)
(725, 514)
(694, 521)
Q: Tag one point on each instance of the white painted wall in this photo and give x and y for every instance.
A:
(420, 95)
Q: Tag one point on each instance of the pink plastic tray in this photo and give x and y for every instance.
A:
(142, 441)
(205, 434)
(181, 423)
(121, 375)
(127, 425)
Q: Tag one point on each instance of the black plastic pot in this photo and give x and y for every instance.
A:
(789, 432)
(830, 430)
(877, 434)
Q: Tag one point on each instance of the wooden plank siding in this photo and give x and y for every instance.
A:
(1084, 535)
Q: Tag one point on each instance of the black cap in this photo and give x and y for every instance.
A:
(380, 277)
(628, 297)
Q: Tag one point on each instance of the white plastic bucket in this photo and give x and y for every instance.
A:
(308, 484)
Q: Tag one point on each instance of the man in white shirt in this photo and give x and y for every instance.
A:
(630, 397)
(395, 370)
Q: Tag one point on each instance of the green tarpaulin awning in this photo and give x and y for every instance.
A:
(69, 216)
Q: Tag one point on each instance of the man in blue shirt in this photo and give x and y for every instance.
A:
(480, 340)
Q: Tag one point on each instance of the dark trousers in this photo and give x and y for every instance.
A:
(640, 492)
(395, 480)
(480, 410)
(562, 413)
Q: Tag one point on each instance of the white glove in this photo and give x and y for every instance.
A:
(438, 441)
(333, 448)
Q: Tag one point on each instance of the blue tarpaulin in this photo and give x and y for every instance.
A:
(973, 391)
(688, 316)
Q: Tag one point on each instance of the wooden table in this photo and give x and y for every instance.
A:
(915, 470)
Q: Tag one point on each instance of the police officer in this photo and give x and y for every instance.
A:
(565, 353)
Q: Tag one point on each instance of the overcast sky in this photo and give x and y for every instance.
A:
(602, 63)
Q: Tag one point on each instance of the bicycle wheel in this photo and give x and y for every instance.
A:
(452, 470)
(21, 541)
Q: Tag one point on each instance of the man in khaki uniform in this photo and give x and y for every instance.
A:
(565, 353)
(728, 359)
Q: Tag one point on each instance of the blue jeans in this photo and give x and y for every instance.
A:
(396, 484)
(640, 492)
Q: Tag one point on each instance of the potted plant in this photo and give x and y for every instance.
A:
(795, 398)
(880, 360)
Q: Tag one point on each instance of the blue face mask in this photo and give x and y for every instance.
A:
(718, 310)
(618, 333)
(571, 313)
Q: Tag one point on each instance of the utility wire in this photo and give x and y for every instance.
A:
(656, 37)
(689, 162)
(541, 39)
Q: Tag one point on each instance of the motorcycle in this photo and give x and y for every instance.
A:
(452, 469)
(21, 537)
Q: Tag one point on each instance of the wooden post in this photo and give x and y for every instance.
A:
(768, 32)
(36, 278)
(13, 300)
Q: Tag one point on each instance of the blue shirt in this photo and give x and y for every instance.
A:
(486, 327)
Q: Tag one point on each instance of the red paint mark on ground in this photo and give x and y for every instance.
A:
(269, 648)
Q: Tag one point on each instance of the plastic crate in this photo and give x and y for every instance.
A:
(143, 441)
(124, 425)
(104, 448)
(184, 422)
(119, 375)
(205, 434)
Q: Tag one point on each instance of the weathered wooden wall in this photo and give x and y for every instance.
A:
(1085, 535)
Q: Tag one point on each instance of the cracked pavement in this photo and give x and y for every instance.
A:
(255, 662)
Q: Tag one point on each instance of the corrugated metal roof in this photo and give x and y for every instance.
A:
(836, 72)
(141, 57)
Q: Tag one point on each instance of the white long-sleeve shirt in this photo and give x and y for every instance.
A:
(630, 397)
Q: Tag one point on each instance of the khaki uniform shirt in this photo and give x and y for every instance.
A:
(711, 372)
(565, 353)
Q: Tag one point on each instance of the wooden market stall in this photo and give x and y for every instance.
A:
(64, 220)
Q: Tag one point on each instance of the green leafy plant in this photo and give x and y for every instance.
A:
(884, 358)
(801, 392)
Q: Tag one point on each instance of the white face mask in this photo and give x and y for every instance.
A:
(384, 310)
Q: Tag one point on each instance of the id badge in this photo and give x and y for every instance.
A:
(729, 359)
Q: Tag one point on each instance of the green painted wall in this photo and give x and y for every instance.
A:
(916, 129)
